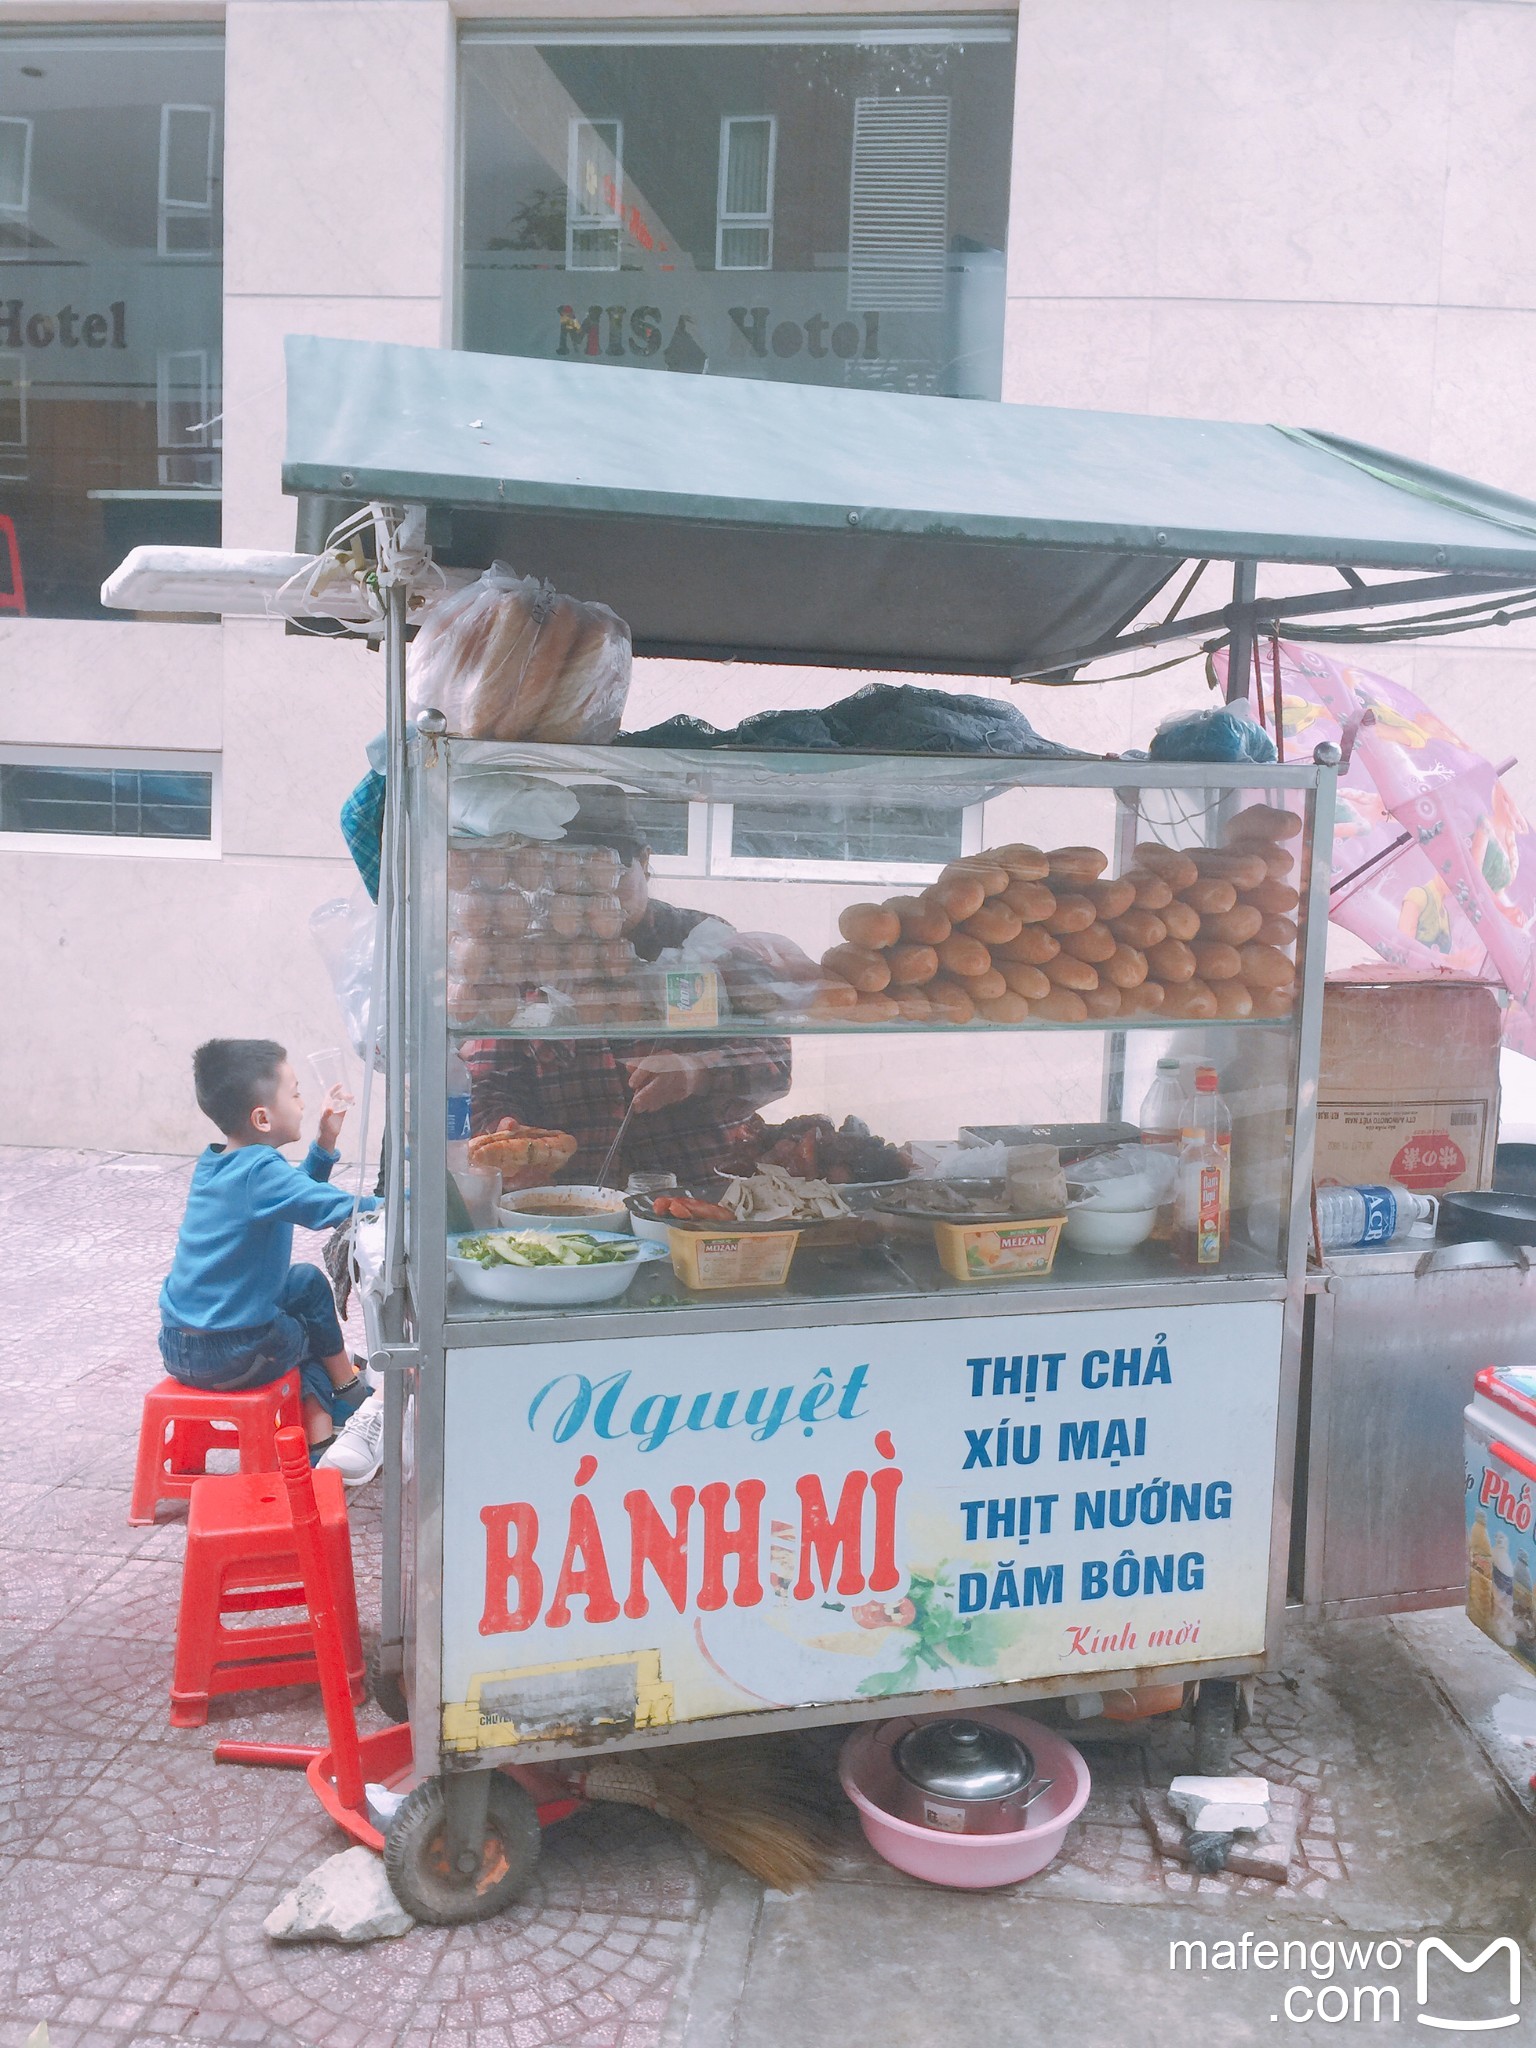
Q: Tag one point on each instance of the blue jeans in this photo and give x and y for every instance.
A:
(303, 1331)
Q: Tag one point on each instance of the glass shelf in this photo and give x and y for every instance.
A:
(752, 1027)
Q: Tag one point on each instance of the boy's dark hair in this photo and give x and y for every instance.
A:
(231, 1075)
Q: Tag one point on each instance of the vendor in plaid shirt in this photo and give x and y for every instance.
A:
(689, 1094)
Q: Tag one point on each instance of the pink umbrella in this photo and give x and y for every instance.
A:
(1433, 864)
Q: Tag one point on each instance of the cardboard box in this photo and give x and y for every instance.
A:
(1408, 1088)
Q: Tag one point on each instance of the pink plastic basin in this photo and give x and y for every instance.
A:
(970, 1862)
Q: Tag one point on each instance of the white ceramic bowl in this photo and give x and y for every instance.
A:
(1108, 1230)
(572, 1208)
(552, 1286)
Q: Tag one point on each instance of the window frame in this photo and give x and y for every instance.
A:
(133, 758)
(23, 207)
(724, 218)
(168, 209)
(710, 856)
(578, 222)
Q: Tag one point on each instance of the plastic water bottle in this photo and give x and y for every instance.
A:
(1162, 1128)
(1348, 1217)
(458, 1112)
(1203, 1198)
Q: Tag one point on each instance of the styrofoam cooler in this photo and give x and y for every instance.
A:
(1501, 1508)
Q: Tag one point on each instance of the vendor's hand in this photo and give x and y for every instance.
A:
(332, 1117)
(660, 1079)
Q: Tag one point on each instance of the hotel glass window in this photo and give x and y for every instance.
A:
(818, 203)
(111, 284)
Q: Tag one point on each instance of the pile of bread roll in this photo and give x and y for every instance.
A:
(1015, 934)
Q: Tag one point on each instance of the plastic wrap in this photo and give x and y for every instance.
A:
(344, 932)
(509, 658)
(1226, 734)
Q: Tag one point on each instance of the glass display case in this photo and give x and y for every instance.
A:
(800, 1030)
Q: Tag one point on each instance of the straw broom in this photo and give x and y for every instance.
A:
(749, 1798)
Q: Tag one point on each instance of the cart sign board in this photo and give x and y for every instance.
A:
(675, 1529)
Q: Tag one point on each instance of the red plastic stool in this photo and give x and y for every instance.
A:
(243, 1558)
(182, 1425)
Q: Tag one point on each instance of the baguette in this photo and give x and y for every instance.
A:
(1183, 922)
(961, 954)
(1066, 972)
(1176, 869)
(1094, 943)
(1139, 928)
(1033, 945)
(1126, 967)
(922, 923)
(1077, 864)
(1171, 961)
(1031, 902)
(1111, 899)
(1061, 1006)
(1033, 983)
(1261, 822)
(1072, 914)
(866, 971)
(869, 924)
(1007, 1008)
(912, 965)
(993, 923)
(1234, 927)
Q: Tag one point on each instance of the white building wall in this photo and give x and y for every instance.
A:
(1319, 212)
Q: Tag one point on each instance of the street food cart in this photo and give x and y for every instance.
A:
(913, 1460)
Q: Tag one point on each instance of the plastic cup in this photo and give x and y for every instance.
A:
(329, 1066)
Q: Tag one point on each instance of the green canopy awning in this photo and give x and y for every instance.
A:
(730, 516)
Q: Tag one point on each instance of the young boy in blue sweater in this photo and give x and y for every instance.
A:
(235, 1312)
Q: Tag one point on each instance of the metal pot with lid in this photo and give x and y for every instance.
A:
(966, 1778)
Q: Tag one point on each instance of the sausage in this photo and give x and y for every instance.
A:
(1126, 967)
(1140, 928)
(1004, 1009)
(961, 954)
(1111, 899)
(1033, 983)
(922, 922)
(1094, 943)
(1152, 892)
(1215, 961)
(1261, 822)
(1176, 869)
(1233, 999)
(869, 924)
(1275, 899)
(1233, 927)
(866, 971)
(1275, 931)
(1029, 901)
(912, 964)
(1171, 961)
(1061, 1006)
(994, 922)
(1266, 967)
(1182, 921)
(1065, 972)
(957, 895)
(1103, 1001)
(1034, 944)
(1209, 896)
(1077, 864)
(1072, 914)
(950, 1003)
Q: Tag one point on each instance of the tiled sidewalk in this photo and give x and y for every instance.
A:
(135, 1873)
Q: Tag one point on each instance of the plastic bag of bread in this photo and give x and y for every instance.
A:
(509, 658)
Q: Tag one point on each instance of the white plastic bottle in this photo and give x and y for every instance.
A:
(1347, 1217)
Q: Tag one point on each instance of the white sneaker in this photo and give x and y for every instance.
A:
(358, 1451)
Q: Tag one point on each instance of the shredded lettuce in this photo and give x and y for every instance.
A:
(542, 1248)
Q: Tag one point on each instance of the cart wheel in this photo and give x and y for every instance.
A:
(416, 1855)
(1215, 1726)
(386, 1688)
